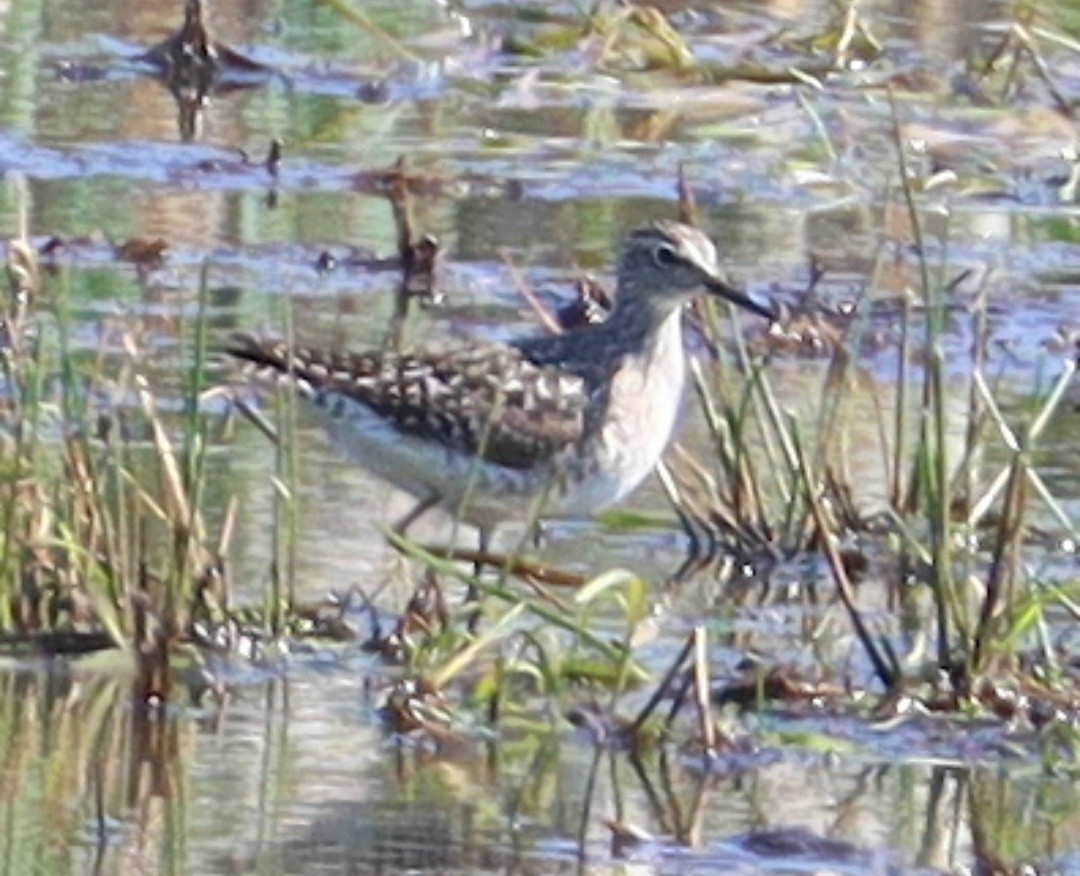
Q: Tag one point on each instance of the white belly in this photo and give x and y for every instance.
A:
(484, 494)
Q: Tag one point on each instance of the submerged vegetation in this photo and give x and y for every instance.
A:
(942, 587)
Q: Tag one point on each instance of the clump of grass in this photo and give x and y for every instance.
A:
(536, 642)
(951, 529)
(103, 542)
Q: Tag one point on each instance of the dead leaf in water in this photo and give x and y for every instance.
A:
(142, 251)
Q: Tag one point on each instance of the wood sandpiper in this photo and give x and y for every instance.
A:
(487, 430)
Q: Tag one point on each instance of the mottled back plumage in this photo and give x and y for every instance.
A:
(483, 400)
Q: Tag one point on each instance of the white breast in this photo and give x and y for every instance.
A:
(646, 394)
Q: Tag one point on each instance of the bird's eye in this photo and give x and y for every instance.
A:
(665, 255)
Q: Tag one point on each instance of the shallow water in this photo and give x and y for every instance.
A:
(295, 775)
(537, 163)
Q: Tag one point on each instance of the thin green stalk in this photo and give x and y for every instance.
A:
(899, 500)
(939, 506)
(194, 452)
(930, 480)
(368, 25)
(282, 593)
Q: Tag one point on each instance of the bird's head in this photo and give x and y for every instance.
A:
(666, 264)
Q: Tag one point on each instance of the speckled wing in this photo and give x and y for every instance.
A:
(484, 399)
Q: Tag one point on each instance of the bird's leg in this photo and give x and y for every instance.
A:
(415, 513)
(472, 596)
(483, 545)
(536, 534)
(400, 527)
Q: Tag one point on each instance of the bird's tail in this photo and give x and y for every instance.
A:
(277, 363)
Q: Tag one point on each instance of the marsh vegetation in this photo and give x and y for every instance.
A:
(836, 631)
